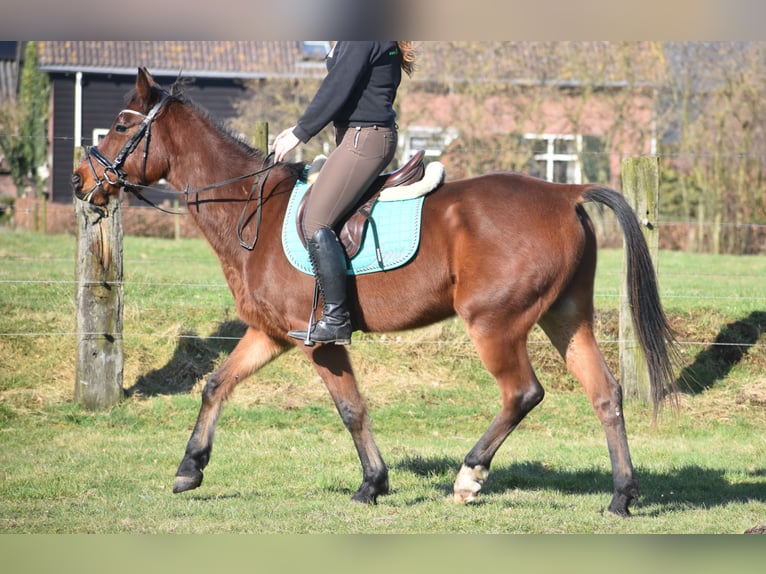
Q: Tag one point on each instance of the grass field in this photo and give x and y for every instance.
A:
(283, 463)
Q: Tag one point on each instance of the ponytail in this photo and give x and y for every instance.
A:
(407, 56)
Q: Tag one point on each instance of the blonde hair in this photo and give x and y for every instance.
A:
(407, 56)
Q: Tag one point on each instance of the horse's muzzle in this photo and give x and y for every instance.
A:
(77, 188)
(76, 183)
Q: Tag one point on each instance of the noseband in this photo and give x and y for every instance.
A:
(113, 174)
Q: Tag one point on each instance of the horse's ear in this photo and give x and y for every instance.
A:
(144, 83)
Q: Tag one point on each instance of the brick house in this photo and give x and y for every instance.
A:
(568, 112)
(439, 109)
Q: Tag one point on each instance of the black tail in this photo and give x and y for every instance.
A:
(655, 335)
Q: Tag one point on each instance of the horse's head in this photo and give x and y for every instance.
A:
(123, 158)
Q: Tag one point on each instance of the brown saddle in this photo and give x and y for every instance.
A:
(353, 226)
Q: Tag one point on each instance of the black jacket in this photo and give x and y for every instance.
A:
(359, 89)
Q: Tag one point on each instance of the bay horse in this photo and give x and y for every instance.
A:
(503, 251)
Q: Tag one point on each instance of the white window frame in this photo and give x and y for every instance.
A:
(550, 156)
(99, 133)
(438, 140)
(311, 48)
(313, 55)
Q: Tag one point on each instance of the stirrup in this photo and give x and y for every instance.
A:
(309, 336)
(306, 335)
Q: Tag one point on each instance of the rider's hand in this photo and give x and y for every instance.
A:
(284, 143)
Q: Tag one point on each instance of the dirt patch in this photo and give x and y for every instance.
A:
(753, 395)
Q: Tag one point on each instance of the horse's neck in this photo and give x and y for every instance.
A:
(209, 161)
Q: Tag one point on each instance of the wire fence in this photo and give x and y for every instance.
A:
(750, 300)
(684, 233)
(746, 290)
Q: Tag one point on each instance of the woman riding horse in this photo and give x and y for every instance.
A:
(357, 96)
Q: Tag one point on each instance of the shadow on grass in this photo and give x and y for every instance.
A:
(214, 497)
(194, 358)
(733, 342)
(688, 486)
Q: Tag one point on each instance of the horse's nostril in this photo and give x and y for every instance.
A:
(76, 182)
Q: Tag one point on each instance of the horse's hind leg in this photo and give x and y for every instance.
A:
(569, 325)
(254, 350)
(505, 356)
(333, 365)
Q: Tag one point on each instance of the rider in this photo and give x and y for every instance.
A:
(357, 95)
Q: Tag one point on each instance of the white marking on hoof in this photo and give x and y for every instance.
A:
(468, 483)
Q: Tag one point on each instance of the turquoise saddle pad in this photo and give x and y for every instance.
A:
(398, 230)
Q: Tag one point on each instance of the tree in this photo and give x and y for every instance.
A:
(715, 136)
(24, 125)
(280, 102)
(598, 90)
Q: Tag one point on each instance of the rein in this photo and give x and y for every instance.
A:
(137, 188)
(242, 221)
(114, 175)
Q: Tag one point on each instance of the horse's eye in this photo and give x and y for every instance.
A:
(120, 128)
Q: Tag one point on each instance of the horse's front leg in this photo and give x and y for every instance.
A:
(333, 365)
(253, 351)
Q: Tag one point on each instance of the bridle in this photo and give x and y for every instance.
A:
(113, 173)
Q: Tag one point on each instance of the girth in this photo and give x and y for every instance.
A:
(352, 228)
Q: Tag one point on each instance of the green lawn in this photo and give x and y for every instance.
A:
(283, 463)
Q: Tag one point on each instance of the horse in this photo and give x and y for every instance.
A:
(503, 251)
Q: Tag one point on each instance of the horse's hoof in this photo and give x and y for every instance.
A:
(184, 483)
(369, 491)
(620, 504)
(619, 509)
(366, 495)
(364, 498)
(464, 496)
(468, 483)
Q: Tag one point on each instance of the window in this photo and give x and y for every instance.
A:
(433, 140)
(8, 50)
(315, 50)
(595, 160)
(555, 157)
(568, 158)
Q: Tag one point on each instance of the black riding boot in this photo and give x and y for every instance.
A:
(329, 263)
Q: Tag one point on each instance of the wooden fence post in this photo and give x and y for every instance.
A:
(641, 187)
(261, 136)
(99, 300)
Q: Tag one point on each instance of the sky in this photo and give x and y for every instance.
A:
(410, 19)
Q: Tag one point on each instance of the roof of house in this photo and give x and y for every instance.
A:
(565, 63)
(207, 58)
(561, 63)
